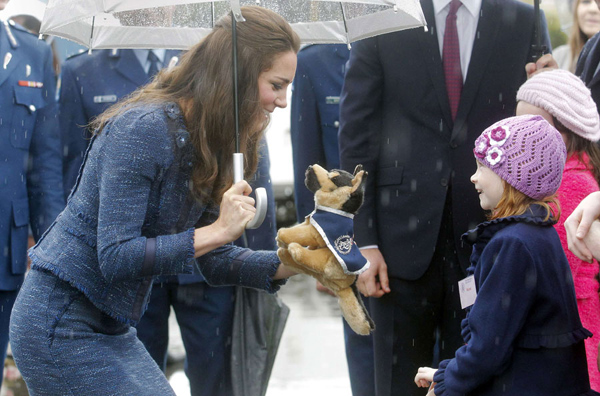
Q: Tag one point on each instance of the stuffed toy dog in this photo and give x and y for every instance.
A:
(323, 245)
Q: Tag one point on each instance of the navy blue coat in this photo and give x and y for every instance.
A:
(523, 335)
(91, 83)
(396, 122)
(315, 115)
(587, 64)
(30, 175)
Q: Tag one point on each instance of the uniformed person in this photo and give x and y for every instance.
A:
(89, 85)
(30, 171)
(314, 130)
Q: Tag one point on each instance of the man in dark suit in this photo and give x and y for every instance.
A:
(314, 130)
(30, 174)
(414, 134)
(89, 85)
(587, 66)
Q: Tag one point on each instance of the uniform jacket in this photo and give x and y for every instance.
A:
(92, 83)
(587, 65)
(315, 115)
(131, 217)
(523, 334)
(396, 121)
(30, 170)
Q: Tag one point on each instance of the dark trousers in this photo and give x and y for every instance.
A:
(414, 315)
(7, 300)
(205, 317)
(359, 355)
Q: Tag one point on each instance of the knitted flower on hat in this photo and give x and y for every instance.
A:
(525, 151)
(566, 97)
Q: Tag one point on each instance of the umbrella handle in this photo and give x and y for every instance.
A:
(261, 193)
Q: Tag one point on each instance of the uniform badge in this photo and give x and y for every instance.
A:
(105, 99)
(332, 100)
(31, 84)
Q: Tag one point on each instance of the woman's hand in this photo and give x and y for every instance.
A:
(579, 223)
(236, 210)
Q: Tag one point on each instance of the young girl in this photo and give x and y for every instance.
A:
(523, 334)
(566, 103)
(155, 197)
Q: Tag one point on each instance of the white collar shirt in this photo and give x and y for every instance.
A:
(467, 17)
(142, 57)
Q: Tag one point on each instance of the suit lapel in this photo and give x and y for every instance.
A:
(485, 37)
(8, 55)
(432, 60)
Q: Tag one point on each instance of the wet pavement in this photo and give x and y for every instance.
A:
(311, 359)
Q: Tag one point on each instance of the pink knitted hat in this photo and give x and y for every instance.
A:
(525, 151)
(566, 97)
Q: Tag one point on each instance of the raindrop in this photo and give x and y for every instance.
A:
(500, 97)
(441, 125)
(506, 301)
(413, 185)
(413, 221)
(385, 198)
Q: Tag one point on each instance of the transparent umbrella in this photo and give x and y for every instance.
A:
(182, 23)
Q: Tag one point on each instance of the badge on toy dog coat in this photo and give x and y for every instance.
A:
(337, 229)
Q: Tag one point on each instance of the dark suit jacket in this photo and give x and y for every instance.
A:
(91, 83)
(587, 65)
(315, 115)
(395, 120)
(30, 170)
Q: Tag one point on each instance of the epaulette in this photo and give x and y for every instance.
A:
(83, 52)
(20, 28)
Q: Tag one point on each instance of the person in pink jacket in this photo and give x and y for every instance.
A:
(565, 102)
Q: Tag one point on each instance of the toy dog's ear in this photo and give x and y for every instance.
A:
(357, 169)
(360, 179)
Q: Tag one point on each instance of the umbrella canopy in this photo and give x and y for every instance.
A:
(179, 24)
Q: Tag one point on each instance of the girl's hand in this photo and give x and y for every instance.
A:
(424, 378)
(236, 210)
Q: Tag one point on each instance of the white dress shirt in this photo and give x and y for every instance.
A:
(142, 56)
(467, 17)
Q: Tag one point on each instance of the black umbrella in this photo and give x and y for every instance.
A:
(538, 48)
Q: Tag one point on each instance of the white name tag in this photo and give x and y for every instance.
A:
(466, 288)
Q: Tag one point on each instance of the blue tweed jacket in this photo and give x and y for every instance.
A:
(131, 217)
(523, 334)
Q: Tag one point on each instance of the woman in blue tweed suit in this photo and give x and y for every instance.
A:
(155, 196)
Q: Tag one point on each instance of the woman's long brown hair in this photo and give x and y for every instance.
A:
(202, 84)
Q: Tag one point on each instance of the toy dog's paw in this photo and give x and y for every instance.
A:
(354, 311)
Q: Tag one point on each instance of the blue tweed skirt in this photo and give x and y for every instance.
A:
(64, 345)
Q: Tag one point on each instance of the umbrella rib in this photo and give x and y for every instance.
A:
(345, 23)
(92, 34)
